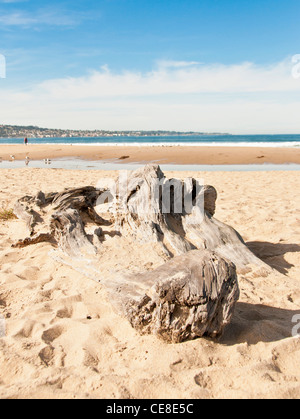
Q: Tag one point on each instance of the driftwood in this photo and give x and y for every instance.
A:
(194, 293)
(179, 232)
(190, 296)
(58, 218)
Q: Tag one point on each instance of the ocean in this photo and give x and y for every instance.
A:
(284, 140)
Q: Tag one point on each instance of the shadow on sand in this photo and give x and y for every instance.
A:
(273, 254)
(253, 323)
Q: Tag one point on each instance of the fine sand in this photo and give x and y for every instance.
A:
(162, 154)
(63, 339)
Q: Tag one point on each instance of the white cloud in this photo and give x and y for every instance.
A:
(179, 79)
(16, 19)
(50, 16)
(13, 1)
(243, 98)
(176, 64)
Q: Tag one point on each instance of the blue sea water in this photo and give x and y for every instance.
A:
(284, 140)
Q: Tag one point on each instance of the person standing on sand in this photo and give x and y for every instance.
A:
(25, 141)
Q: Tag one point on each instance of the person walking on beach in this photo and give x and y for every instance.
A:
(25, 141)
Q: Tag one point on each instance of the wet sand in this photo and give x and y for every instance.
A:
(161, 154)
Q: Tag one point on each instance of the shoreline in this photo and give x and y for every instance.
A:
(139, 144)
(186, 155)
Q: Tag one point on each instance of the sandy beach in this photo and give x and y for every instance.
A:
(149, 202)
(63, 339)
(162, 154)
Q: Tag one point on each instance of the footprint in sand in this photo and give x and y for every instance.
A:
(286, 357)
(10, 257)
(91, 360)
(202, 380)
(52, 356)
(47, 355)
(27, 328)
(52, 334)
(27, 274)
(2, 301)
(65, 313)
(70, 307)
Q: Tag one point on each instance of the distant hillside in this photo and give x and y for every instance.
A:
(19, 131)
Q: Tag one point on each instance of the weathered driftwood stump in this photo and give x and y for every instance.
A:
(59, 218)
(194, 293)
(188, 297)
(181, 217)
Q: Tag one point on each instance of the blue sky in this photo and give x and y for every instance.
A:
(55, 48)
